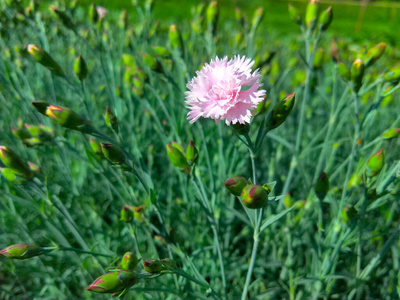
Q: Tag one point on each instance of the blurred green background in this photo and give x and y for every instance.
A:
(377, 21)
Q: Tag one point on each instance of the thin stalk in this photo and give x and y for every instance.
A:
(258, 218)
(211, 219)
(306, 96)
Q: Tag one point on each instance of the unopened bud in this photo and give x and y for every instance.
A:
(126, 213)
(96, 147)
(393, 74)
(113, 153)
(312, 13)
(176, 157)
(212, 14)
(354, 180)
(80, 68)
(235, 185)
(357, 73)
(344, 70)
(63, 17)
(21, 133)
(391, 133)
(288, 200)
(325, 18)
(111, 119)
(280, 112)
(375, 164)
(322, 186)
(175, 37)
(258, 15)
(334, 51)
(170, 263)
(129, 261)
(21, 251)
(295, 14)
(113, 282)
(93, 13)
(192, 153)
(374, 54)
(41, 106)
(138, 213)
(152, 266)
(67, 118)
(319, 58)
(239, 16)
(348, 213)
(254, 196)
(11, 160)
(45, 59)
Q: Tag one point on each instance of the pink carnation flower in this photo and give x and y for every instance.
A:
(225, 90)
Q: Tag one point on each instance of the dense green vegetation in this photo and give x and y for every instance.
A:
(328, 154)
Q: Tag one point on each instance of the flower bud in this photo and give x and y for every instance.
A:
(375, 164)
(126, 213)
(344, 70)
(312, 13)
(258, 15)
(192, 153)
(254, 196)
(152, 266)
(113, 153)
(295, 15)
(374, 54)
(45, 59)
(11, 160)
(280, 112)
(21, 133)
(322, 186)
(111, 119)
(239, 17)
(170, 263)
(288, 201)
(11, 176)
(93, 13)
(334, 51)
(241, 129)
(129, 261)
(325, 19)
(80, 68)
(357, 73)
(138, 213)
(348, 213)
(391, 133)
(393, 74)
(113, 282)
(67, 118)
(235, 185)
(176, 157)
(21, 251)
(63, 17)
(178, 146)
(175, 37)
(41, 106)
(96, 147)
(354, 180)
(319, 58)
(212, 14)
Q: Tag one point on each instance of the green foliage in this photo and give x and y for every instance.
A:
(88, 202)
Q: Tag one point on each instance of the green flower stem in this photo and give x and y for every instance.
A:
(257, 223)
(62, 248)
(306, 96)
(211, 219)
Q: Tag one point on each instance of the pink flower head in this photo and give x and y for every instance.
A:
(101, 11)
(225, 90)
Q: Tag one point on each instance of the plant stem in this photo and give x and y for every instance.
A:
(257, 223)
(306, 96)
(211, 219)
